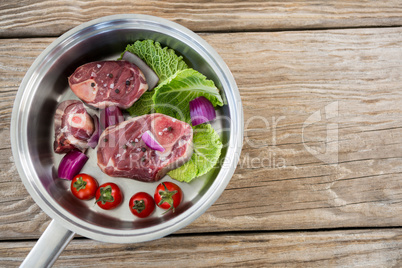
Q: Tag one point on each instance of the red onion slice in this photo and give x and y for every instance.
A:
(93, 140)
(150, 75)
(201, 111)
(71, 165)
(110, 116)
(151, 142)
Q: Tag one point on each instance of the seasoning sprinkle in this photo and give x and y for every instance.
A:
(127, 83)
(92, 84)
(143, 149)
(105, 140)
(117, 91)
(110, 75)
(124, 146)
(169, 129)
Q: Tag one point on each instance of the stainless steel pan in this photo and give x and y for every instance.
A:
(45, 85)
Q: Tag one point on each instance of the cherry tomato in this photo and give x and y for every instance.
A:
(108, 196)
(142, 204)
(84, 186)
(168, 196)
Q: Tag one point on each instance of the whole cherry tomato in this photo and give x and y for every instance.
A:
(142, 204)
(84, 186)
(168, 196)
(108, 196)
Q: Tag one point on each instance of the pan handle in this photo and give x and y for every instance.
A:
(49, 246)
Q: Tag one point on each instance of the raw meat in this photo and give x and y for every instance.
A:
(105, 83)
(73, 126)
(122, 152)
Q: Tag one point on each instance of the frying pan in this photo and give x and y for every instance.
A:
(45, 85)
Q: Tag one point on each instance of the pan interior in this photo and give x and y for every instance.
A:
(48, 86)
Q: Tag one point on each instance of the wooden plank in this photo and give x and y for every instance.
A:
(20, 216)
(284, 78)
(367, 248)
(27, 18)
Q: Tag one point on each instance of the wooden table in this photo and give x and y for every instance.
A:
(319, 180)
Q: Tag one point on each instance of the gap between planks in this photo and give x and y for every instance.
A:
(251, 31)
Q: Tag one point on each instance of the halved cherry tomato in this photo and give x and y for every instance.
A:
(84, 186)
(142, 204)
(168, 196)
(108, 196)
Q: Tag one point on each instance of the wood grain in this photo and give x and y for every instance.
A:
(27, 18)
(284, 78)
(292, 76)
(364, 248)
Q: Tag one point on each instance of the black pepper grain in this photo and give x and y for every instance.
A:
(92, 84)
(110, 75)
(143, 149)
(117, 91)
(105, 140)
(127, 83)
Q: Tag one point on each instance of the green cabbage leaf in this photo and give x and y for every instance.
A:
(174, 95)
(206, 151)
